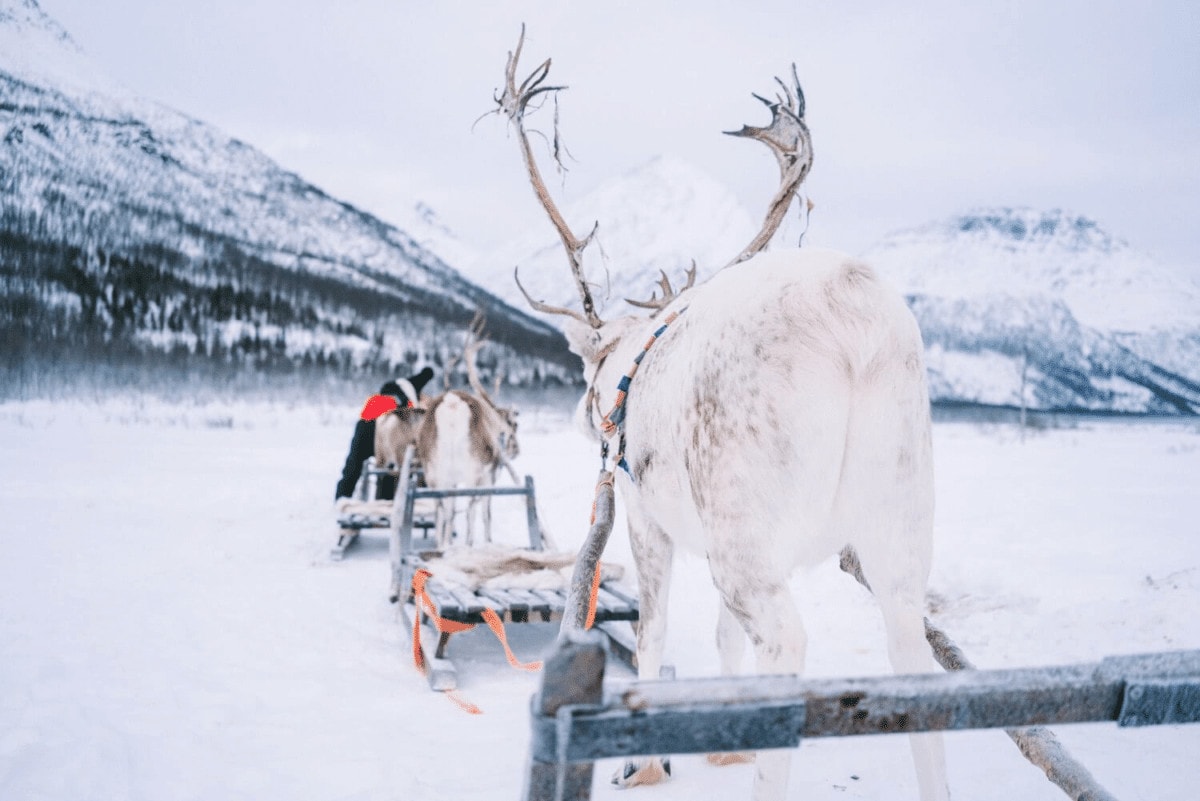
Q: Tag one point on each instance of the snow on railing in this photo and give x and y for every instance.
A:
(578, 718)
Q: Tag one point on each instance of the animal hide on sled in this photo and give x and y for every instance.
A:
(500, 567)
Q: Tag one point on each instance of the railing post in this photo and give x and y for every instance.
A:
(572, 674)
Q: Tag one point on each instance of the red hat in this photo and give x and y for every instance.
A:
(378, 405)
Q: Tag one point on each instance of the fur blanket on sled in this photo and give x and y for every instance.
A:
(503, 567)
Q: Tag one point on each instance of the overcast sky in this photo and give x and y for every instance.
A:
(918, 110)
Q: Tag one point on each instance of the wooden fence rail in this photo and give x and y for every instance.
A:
(577, 718)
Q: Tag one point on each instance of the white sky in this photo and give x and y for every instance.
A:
(918, 110)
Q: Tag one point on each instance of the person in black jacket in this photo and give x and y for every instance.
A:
(396, 394)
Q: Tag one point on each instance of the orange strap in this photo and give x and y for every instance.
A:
(497, 627)
(591, 617)
(445, 626)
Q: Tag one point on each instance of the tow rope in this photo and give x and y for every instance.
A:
(606, 478)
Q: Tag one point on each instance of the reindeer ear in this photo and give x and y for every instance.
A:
(592, 344)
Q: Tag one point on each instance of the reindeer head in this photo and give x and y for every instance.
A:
(588, 336)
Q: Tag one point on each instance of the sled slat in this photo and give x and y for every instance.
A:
(497, 599)
(447, 605)
(556, 598)
(514, 602)
(469, 601)
(533, 602)
(628, 597)
(610, 603)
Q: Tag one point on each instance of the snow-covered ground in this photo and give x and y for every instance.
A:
(171, 626)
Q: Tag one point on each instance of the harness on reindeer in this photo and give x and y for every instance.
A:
(614, 421)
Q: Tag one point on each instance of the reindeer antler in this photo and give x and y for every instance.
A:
(791, 143)
(474, 343)
(668, 293)
(513, 103)
(469, 356)
(546, 308)
(476, 328)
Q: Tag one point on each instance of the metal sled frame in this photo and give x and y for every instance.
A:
(616, 607)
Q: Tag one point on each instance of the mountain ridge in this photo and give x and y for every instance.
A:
(1046, 310)
(130, 230)
(103, 190)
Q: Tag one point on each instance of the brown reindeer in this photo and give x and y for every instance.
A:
(464, 439)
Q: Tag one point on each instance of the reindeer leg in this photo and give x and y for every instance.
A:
(485, 478)
(731, 641)
(652, 554)
(479, 506)
(768, 614)
(487, 519)
(445, 522)
(901, 603)
(888, 483)
(471, 506)
(731, 645)
(909, 653)
(470, 522)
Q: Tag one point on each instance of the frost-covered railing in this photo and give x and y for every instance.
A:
(578, 718)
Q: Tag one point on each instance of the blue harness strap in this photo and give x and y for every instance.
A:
(614, 421)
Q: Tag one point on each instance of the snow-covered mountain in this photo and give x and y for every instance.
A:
(1015, 298)
(1017, 307)
(659, 216)
(127, 229)
(126, 226)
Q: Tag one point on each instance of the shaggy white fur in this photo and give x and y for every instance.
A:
(510, 568)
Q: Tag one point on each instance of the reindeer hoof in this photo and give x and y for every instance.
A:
(642, 771)
(730, 758)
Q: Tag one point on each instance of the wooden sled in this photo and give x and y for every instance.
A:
(414, 545)
(364, 512)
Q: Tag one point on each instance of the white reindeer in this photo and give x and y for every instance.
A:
(783, 417)
(463, 441)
